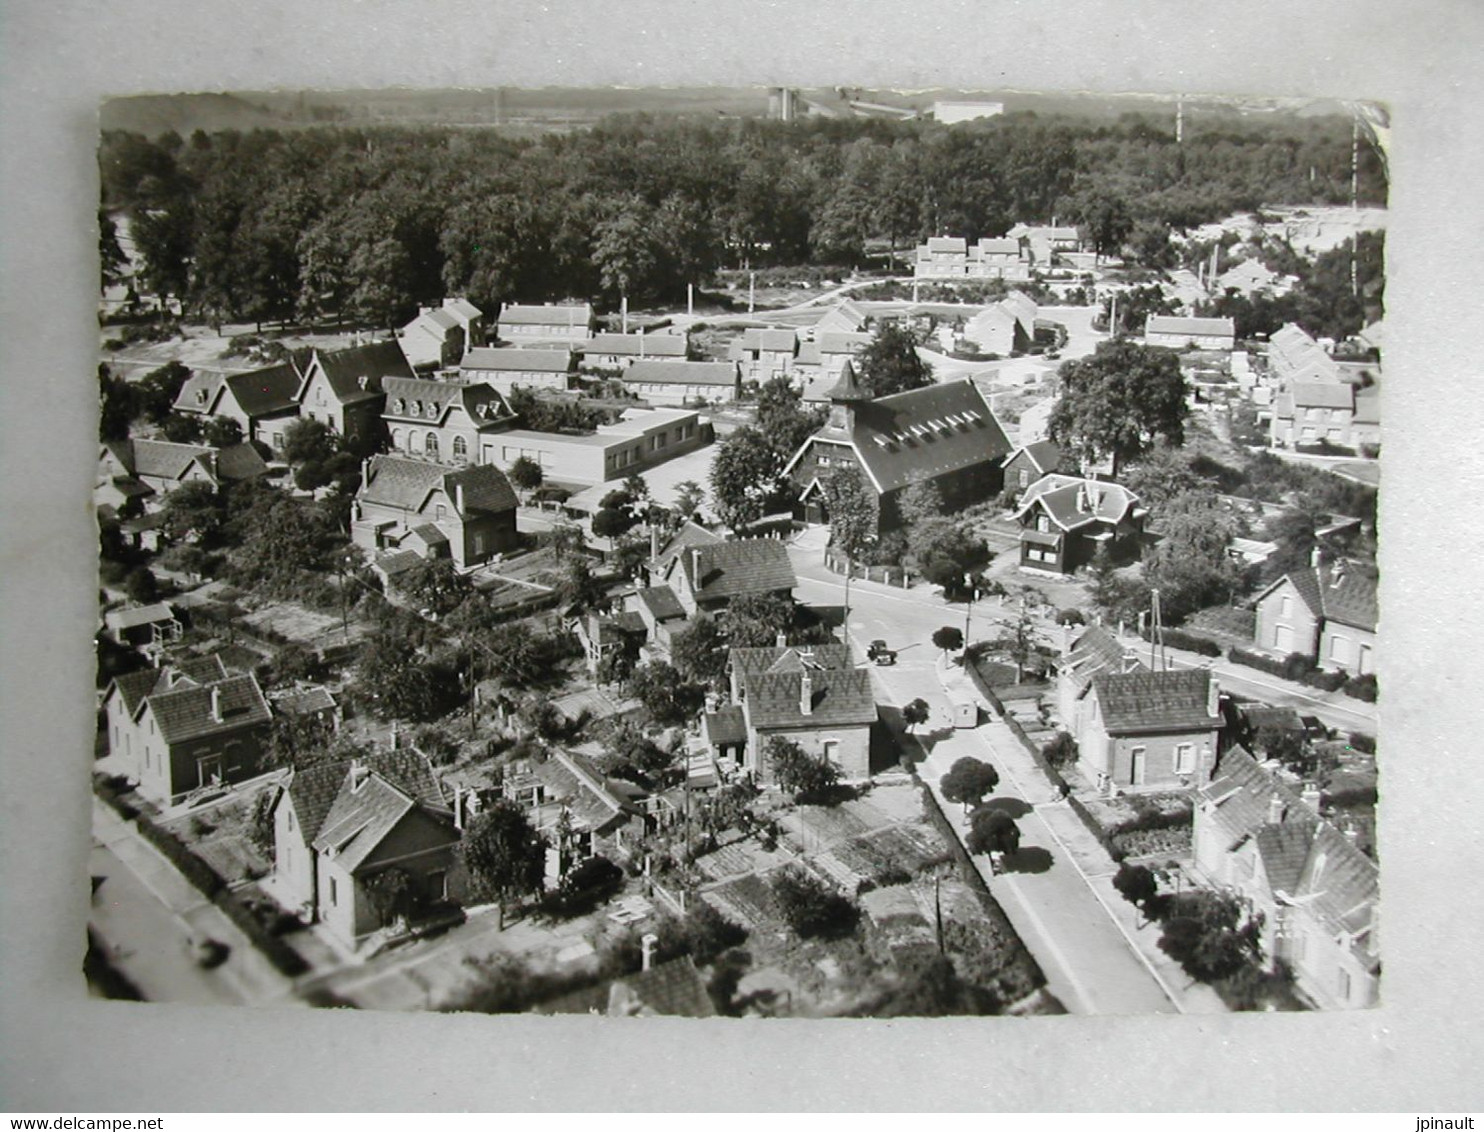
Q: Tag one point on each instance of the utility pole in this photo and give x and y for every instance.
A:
(751, 290)
(968, 607)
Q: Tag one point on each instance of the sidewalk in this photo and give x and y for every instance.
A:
(246, 976)
(1085, 920)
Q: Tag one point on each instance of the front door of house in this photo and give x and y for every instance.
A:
(1283, 638)
(210, 769)
(1136, 766)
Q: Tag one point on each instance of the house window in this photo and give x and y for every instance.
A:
(277, 440)
(438, 884)
(1344, 985)
(1043, 524)
(440, 512)
(832, 751)
(478, 544)
(1136, 766)
(430, 445)
(1025, 478)
(1287, 606)
(1339, 650)
(460, 448)
(333, 895)
(1185, 758)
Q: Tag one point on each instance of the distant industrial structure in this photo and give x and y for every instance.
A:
(950, 112)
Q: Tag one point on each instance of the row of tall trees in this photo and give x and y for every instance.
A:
(367, 223)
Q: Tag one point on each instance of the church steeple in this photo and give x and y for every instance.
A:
(845, 396)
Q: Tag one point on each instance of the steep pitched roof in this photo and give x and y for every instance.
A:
(682, 373)
(405, 484)
(844, 341)
(1155, 701)
(769, 339)
(355, 374)
(240, 462)
(264, 392)
(1072, 502)
(925, 433)
(742, 566)
(788, 658)
(511, 359)
(726, 725)
(840, 697)
(199, 392)
(187, 712)
(309, 701)
(168, 461)
(137, 615)
(369, 804)
(583, 790)
(462, 308)
(662, 603)
(133, 688)
(1044, 455)
(690, 534)
(637, 345)
(1348, 593)
(565, 314)
(1096, 651)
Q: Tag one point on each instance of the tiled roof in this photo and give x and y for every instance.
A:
(1175, 324)
(843, 342)
(840, 697)
(168, 461)
(309, 701)
(662, 603)
(199, 392)
(1044, 455)
(405, 484)
(1348, 593)
(345, 369)
(186, 713)
(392, 784)
(264, 392)
(948, 244)
(926, 433)
(742, 566)
(775, 658)
(201, 669)
(240, 462)
(1072, 502)
(411, 398)
(1322, 395)
(1096, 651)
(1155, 701)
(690, 534)
(769, 340)
(637, 345)
(516, 314)
(580, 786)
(682, 373)
(462, 308)
(133, 687)
(395, 562)
(511, 359)
(726, 725)
(313, 790)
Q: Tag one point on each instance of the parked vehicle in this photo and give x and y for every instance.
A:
(878, 653)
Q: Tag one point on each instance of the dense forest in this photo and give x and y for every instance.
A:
(367, 223)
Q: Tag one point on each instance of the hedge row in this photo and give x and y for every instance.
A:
(113, 796)
(288, 961)
(201, 875)
(1301, 669)
(1180, 639)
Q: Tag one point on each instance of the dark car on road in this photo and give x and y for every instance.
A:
(878, 653)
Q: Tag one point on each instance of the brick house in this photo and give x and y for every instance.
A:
(344, 389)
(1178, 332)
(186, 727)
(580, 811)
(944, 434)
(1327, 612)
(338, 825)
(141, 473)
(467, 515)
(1007, 327)
(1064, 520)
(615, 351)
(441, 420)
(507, 368)
(441, 334)
(1093, 652)
(1150, 730)
(549, 322)
(1322, 412)
(1316, 892)
(845, 317)
(709, 577)
(811, 695)
(764, 353)
(824, 357)
(263, 402)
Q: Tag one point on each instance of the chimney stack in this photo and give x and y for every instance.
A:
(695, 567)
(654, 542)
(458, 498)
(458, 808)
(781, 640)
(1275, 810)
(1314, 559)
(1311, 796)
(806, 694)
(1213, 697)
(358, 774)
(216, 704)
(647, 944)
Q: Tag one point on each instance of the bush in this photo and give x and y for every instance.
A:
(1360, 741)
(1292, 668)
(1136, 884)
(1061, 751)
(1361, 688)
(584, 887)
(1325, 681)
(811, 908)
(283, 957)
(1070, 617)
(1180, 639)
(112, 789)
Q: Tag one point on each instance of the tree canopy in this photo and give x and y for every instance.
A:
(1119, 402)
(891, 364)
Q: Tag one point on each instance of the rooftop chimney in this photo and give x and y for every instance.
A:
(647, 944)
(1314, 558)
(695, 567)
(458, 497)
(358, 773)
(806, 694)
(1213, 697)
(216, 704)
(1311, 796)
(1275, 810)
(458, 807)
(654, 542)
(781, 640)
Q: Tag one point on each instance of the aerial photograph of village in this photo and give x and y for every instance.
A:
(740, 553)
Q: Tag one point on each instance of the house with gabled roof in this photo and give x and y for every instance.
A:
(845, 317)
(1150, 730)
(1324, 412)
(710, 576)
(1065, 520)
(343, 389)
(186, 727)
(1317, 895)
(1030, 462)
(824, 357)
(339, 825)
(614, 351)
(441, 335)
(263, 402)
(464, 514)
(944, 434)
(132, 473)
(689, 534)
(146, 627)
(579, 810)
(1177, 332)
(508, 367)
(1091, 653)
(443, 421)
(547, 322)
(1327, 612)
(674, 989)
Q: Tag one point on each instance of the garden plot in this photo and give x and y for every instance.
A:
(222, 837)
(747, 900)
(291, 621)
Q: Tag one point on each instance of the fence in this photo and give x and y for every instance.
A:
(898, 576)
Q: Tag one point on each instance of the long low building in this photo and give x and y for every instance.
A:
(642, 439)
(506, 367)
(1177, 332)
(683, 383)
(616, 350)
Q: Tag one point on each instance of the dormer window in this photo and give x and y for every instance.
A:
(399, 405)
(432, 409)
(417, 408)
